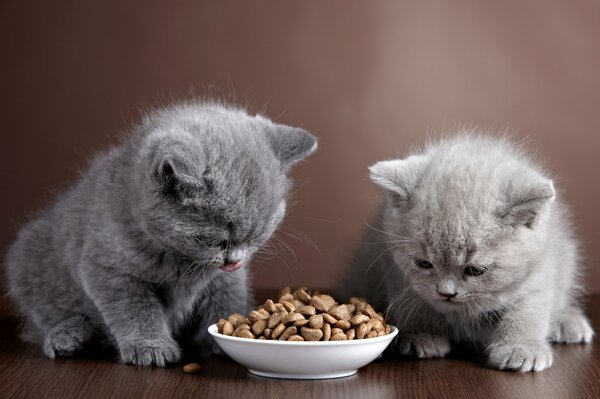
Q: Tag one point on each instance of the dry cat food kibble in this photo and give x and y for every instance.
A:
(192, 368)
(303, 315)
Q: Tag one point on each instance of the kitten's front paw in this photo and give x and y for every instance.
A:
(573, 328)
(65, 342)
(423, 345)
(520, 357)
(151, 352)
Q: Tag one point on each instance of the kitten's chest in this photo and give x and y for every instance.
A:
(179, 298)
(465, 329)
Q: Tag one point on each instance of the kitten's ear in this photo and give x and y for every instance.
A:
(173, 182)
(526, 199)
(291, 144)
(400, 176)
(166, 176)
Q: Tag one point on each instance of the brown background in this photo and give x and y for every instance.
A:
(371, 79)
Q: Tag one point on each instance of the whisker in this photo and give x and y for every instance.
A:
(380, 255)
(395, 264)
(385, 232)
(300, 237)
(286, 245)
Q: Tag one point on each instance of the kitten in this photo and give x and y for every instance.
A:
(473, 244)
(157, 234)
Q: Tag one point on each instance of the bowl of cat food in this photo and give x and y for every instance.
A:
(305, 335)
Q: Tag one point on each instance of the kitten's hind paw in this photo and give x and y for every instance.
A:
(151, 352)
(572, 328)
(423, 345)
(67, 338)
(520, 357)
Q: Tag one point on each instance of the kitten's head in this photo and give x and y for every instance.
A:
(467, 220)
(215, 180)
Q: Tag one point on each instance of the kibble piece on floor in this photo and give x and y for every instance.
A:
(192, 368)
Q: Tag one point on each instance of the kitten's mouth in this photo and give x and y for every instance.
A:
(231, 267)
(449, 301)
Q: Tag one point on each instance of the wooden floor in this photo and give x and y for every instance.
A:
(26, 373)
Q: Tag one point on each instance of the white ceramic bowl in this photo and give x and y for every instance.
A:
(302, 360)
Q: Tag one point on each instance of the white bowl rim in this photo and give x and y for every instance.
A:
(213, 330)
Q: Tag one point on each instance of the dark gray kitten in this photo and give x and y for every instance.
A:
(473, 244)
(157, 234)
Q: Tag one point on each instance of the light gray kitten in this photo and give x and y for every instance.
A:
(157, 234)
(473, 244)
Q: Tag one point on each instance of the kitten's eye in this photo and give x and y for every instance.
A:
(474, 271)
(423, 264)
(219, 244)
(222, 244)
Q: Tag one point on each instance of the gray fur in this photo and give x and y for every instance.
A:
(473, 200)
(132, 251)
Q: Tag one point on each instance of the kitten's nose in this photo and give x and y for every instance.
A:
(234, 255)
(446, 288)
